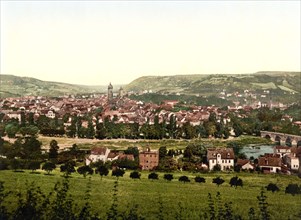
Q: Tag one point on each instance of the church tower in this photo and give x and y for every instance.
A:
(110, 92)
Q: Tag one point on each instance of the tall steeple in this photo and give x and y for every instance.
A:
(110, 92)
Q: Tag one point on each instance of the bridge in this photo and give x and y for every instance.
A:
(281, 138)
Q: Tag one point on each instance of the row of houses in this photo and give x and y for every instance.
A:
(148, 159)
(283, 159)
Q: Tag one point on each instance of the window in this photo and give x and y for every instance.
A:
(222, 161)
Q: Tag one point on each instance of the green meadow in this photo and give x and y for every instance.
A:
(160, 197)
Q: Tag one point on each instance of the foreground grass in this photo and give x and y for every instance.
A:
(147, 194)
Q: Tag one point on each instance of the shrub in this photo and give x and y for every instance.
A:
(184, 179)
(199, 179)
(218, 181)
(293, 189)
(135, 175)
(235, 181)
(272, 187)
(168, 176)
(153, 176)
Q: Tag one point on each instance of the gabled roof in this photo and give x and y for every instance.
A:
(126, 156)
(226, 153)
(242, 162)
(269, 161)
(99, 150)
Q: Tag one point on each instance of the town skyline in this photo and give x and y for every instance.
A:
(93, 43)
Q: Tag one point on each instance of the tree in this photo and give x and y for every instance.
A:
(153, 176)
(263, 206)
(199, 179)
(237, 129)
(135, 175)
(34, 165)
(217, 168)
(68, 168)
(118, 172)
(184, 179)
(132, 150)
(235, 181)
(85, 170)
(218, 181)
(31, 148)
(48, 167)
(53, 151)
(162, 152)
(11, 130)
(272, 187)
(293, 189)
(15, 164)
(90, 130)
(168, 176)
(29, 130)
(102, 170)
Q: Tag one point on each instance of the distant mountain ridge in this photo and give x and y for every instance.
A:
(16, 86)
(213, 84)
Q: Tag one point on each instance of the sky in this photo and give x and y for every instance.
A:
(97, 42)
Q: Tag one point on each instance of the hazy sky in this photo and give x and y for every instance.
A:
(97, 42)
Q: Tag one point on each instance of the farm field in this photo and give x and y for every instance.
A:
(154, 195)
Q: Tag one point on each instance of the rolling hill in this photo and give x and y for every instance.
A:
(15, 86)
(289, 82)
(279, 83)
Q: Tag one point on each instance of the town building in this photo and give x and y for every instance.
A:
(98, 154)
(224, 157)
(148, 160)
(245, 164)
(270, 163)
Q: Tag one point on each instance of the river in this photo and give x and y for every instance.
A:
(257, 150)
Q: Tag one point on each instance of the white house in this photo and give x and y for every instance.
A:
(292, 162)
(97, 154)
(282, 150)
(220, 156)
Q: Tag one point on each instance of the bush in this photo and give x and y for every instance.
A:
(118, 172)
(199, 179)
(272, 187)
(218, 181)
(153, 176)
(235, 181)
(168, 176)
(293, 189)
(184, 179)
(135, 175)
(48, 167)
(4, 164)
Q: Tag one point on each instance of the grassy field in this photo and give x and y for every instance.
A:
(193, 197)
(122, 144)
